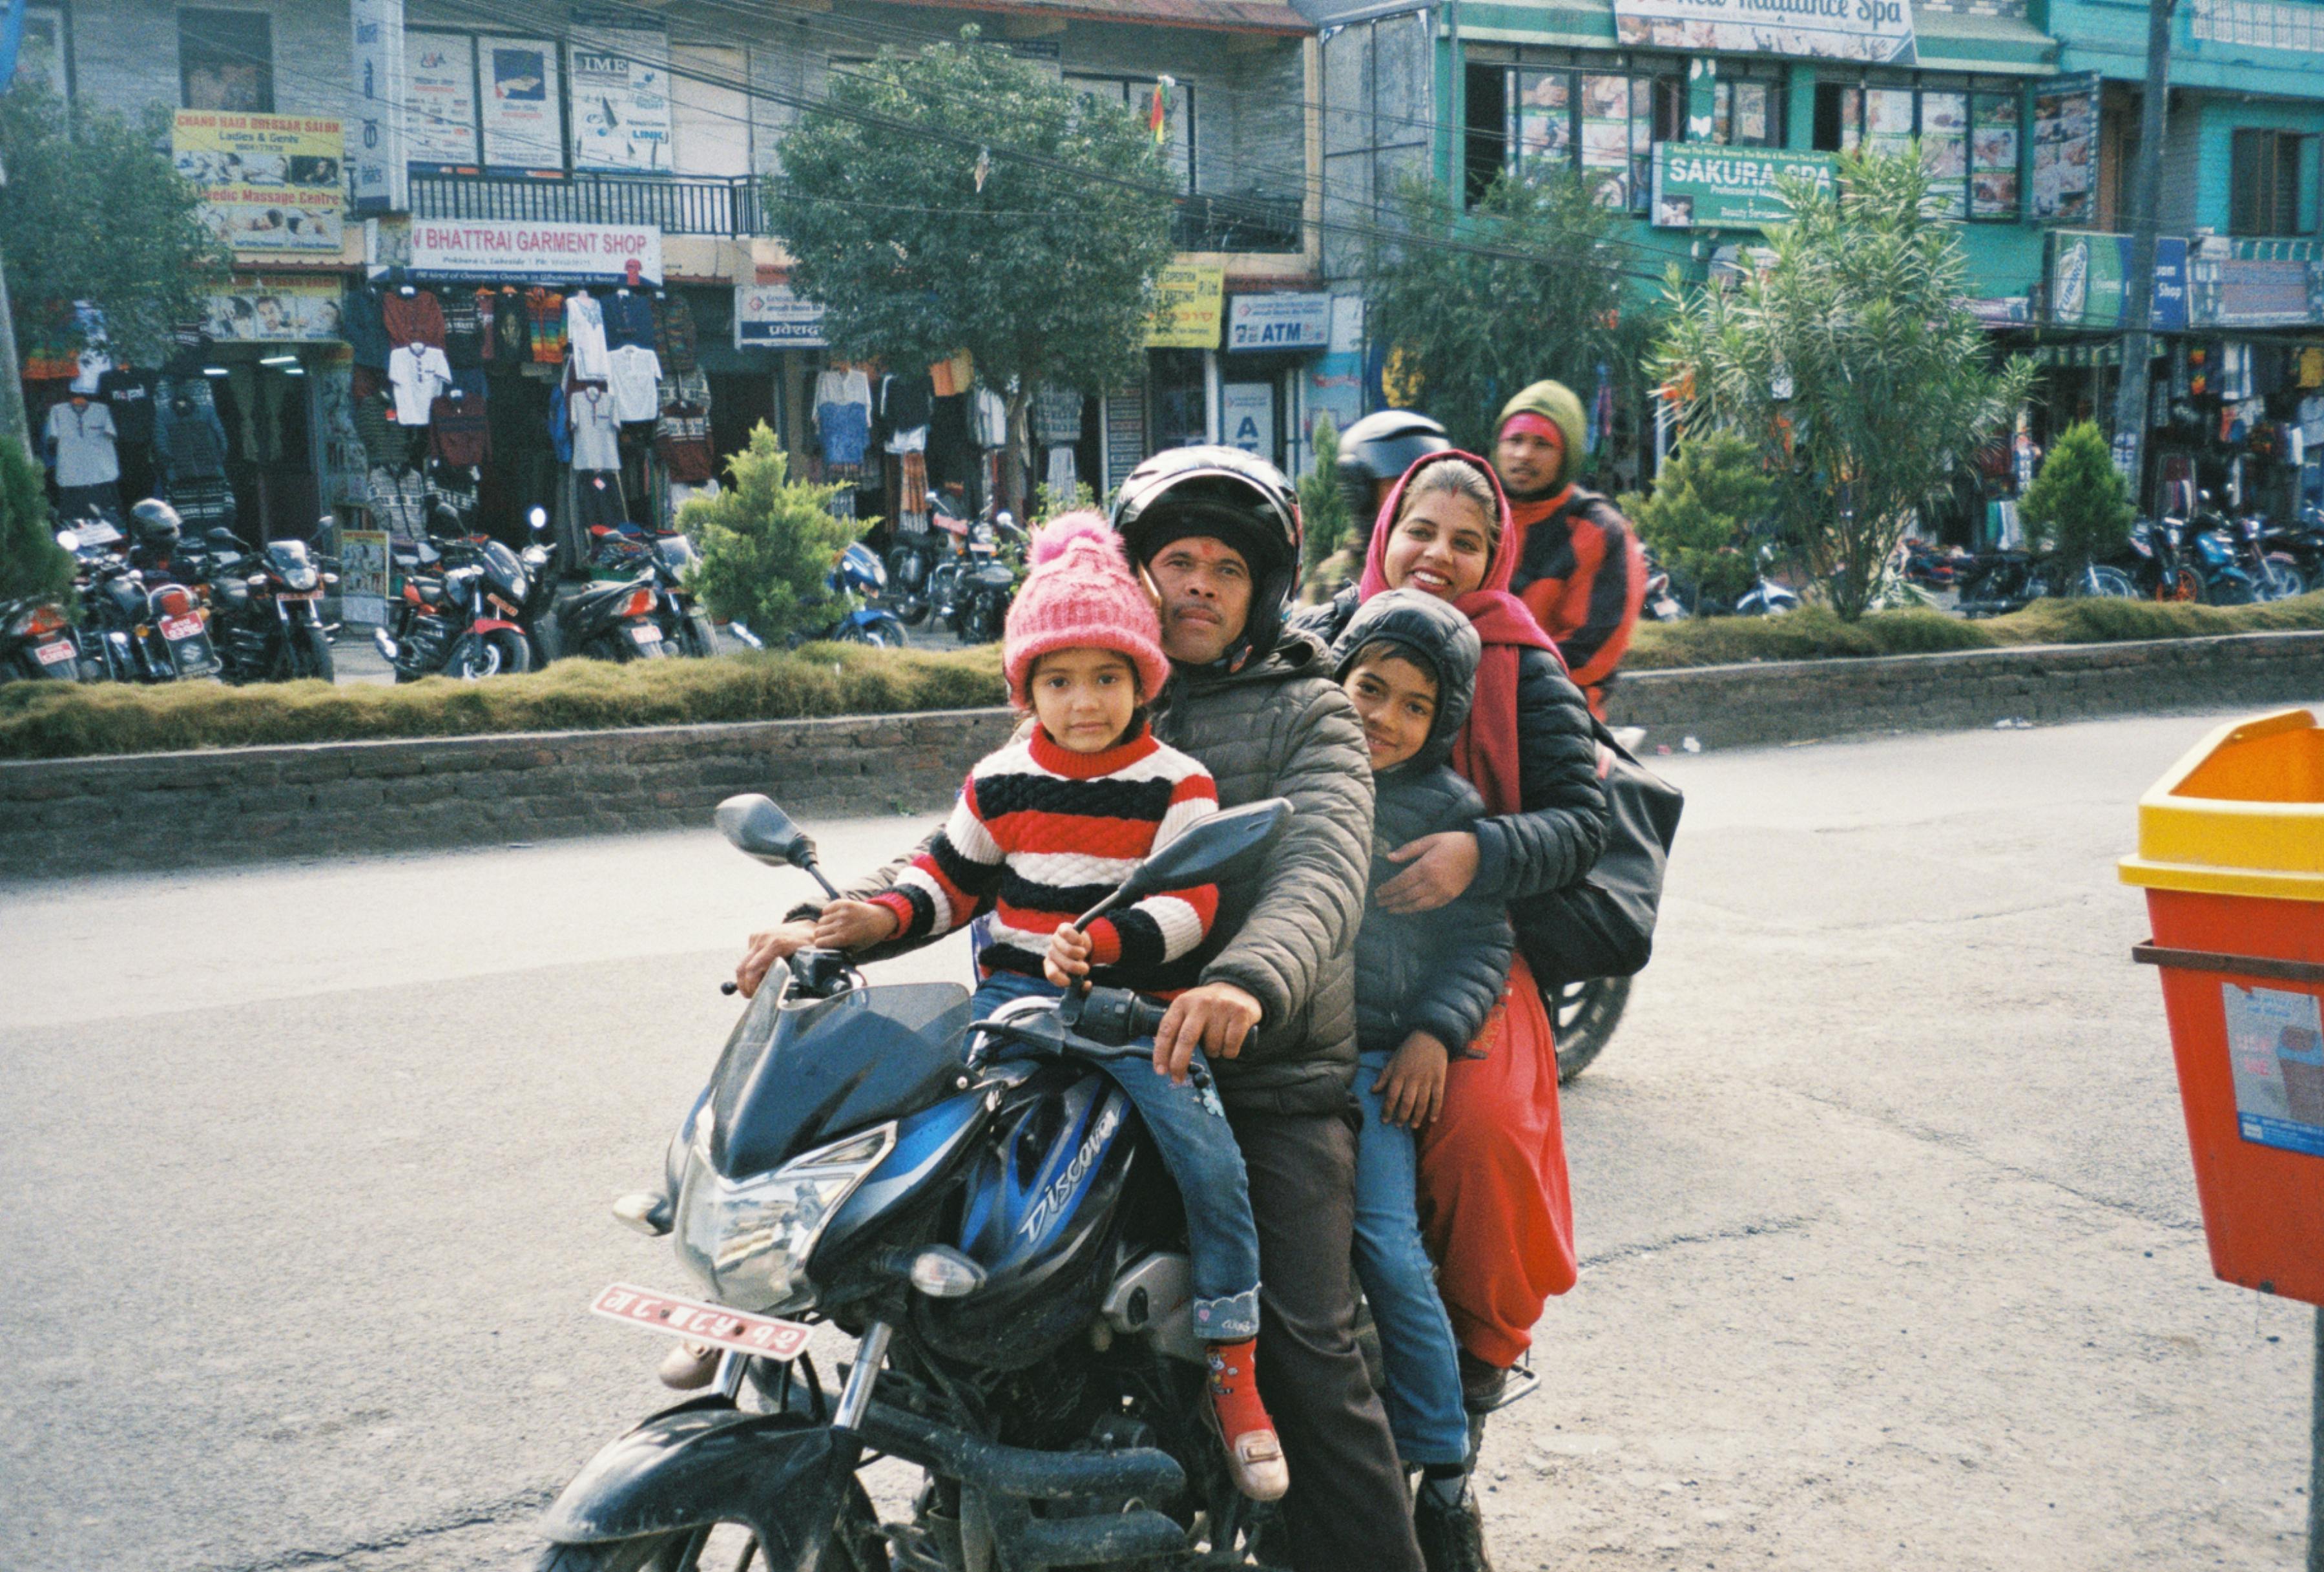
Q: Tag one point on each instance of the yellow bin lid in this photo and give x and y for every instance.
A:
(2241, 813)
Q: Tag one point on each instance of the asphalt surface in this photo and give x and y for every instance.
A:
(1892, 1251)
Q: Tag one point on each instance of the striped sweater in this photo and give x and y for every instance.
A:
(1044, 835)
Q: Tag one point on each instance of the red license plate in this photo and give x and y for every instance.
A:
(715, 1325)
(174, 628)
(53, 654)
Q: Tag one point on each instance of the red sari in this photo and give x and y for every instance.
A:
(1495, 1206)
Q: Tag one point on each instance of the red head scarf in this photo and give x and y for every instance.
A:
(1486, 750)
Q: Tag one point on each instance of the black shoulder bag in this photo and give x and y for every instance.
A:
(1604, 925)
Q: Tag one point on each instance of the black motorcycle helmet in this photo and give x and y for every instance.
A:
(155, 525)
(1381, 447)
(1231, 495)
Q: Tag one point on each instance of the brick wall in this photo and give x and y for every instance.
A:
(80, 816)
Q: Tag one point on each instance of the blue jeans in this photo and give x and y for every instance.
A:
(1190, 1127)
(1424, 1373)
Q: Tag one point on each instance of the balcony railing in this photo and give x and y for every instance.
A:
(725, 207)
(730, 209)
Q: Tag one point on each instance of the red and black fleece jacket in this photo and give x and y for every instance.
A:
(1045, 834)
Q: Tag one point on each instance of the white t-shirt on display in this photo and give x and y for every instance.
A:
(633, 376)
(417, 373)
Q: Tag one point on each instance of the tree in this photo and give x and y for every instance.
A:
(959, 199)
(769, 543)
(1848, 364)
(1475, 306)
(1323, 508)
(32, 565)
(2078, 506)
(90, 213)
(1708, 496)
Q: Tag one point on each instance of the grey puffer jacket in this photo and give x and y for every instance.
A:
(1285, 930)
(1439, 972)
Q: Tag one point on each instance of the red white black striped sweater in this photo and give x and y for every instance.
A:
(1045, 834)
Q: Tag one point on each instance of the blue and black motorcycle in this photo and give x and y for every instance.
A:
(977, 1205)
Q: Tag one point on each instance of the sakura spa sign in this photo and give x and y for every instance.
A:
(486, 250)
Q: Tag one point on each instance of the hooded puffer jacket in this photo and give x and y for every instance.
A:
(1556, 836)
(1439, 972)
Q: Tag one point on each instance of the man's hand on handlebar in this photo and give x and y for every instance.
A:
(1215, 1018)
(777, 944)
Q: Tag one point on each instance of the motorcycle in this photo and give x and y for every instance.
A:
(910, 560)
(2298, 545)
(2274, 576)
(266, 608)
(133, 632)
(2217, 557)
(858, 573)
(36, 637)
(460, 612)
(971, 588)
(669, 558)
(972, 1202)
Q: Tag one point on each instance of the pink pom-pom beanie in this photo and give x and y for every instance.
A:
(1081, 595)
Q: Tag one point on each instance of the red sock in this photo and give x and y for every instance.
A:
(1234, 1388)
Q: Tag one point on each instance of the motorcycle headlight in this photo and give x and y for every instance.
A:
(300, 577)
(748, 1241)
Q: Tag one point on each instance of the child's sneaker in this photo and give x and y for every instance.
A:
(1254, 1452)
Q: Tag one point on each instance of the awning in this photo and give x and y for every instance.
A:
(1267, 17)
(1946, 42)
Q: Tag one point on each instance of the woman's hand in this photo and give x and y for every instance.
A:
(1442, 867)
(1068, 960)
(1412, 1086)
(854, 925)
(777, 944)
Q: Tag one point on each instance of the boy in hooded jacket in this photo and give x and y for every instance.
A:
(1425, 990)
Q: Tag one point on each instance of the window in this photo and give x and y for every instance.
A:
(40, 57)
(1603, 123)
(225, 60)
(1745, 113)
(1968, 139)
(1137, 93)
(2270, 181)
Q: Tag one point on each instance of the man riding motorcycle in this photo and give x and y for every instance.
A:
(1374, 454)
(1215, 533)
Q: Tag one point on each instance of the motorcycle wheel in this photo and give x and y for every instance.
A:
(858, 1546)
(2280, 581)
(700, 642)
(1583, 1016)
(883, 632)
(310, 654)
(2183, 585)
(2104, 583)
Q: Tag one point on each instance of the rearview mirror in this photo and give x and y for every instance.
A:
(755, 827)
(1207, 849)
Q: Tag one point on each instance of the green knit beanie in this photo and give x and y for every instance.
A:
(1554, 402)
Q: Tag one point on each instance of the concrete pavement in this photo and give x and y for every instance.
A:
(1892, 1253)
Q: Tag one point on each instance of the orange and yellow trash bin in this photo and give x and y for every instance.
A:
(2231, 855)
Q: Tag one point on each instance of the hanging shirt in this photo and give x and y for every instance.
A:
(81, 444)
(545, 312)
(629, 321)
(1057, 416)
(464, 331)
(129, 393)
(596, 433)
(674, 334)
(417, 374)
(188, 444)
(366, 328)
(584, 337)
(682, 440)
(459, 429)
(990, 419)
(633, 375)
(511, 342)
(417, 318)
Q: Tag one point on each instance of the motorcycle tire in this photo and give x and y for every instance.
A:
(310, 654)
(2182, 585)
(2280, 580)
(883, 632)
(1583, 1017)
(2104, 583)
(858, 1546)
(701, 641)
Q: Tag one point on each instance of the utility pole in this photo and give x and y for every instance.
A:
(2146, 221)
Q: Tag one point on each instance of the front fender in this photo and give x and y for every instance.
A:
(780, 1476)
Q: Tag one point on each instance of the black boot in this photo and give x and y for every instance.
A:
(1482, 1387)
(1452, 1533)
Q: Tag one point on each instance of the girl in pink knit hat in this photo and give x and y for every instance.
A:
(1044, 830)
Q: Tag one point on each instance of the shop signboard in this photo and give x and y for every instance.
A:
(1697, 186)
(1874, 31)
(2258, 292)
(484, 250)
(270, 183)
(1335, 383)
(772, 316)
(2066, 149)
(1247, 417)
(362, 576)
(621, 94)
(440, 86)
(376, 134)
(2087, 270)
(297, 307)
(1186, 315)
(1299, 320)
(522, 89)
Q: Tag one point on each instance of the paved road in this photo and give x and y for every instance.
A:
(1892, 1252)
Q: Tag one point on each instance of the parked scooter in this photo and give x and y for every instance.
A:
(36, 637)
(266, 608)
(858, 573)
(974, 1203)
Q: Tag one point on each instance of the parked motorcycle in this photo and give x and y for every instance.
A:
(133, 631)
(975, 1203)
(970, 589)
(266, 608)
(858, 573)
(911, 558)
(668, 558)
(2274, 576)
(460, 611)
(36, 638)
(2298, 545)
